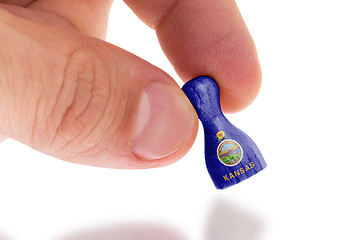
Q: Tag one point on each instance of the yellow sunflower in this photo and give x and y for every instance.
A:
(220, 135)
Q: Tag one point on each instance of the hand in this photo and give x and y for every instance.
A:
(66, 93)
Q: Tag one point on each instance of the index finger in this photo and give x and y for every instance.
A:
(206, 38)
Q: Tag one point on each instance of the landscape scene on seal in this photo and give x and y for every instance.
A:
(229, 152)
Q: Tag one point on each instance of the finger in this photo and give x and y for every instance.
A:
(87, 16)
(2, 138)
(80, 99)
(22, 3)
(206, 38)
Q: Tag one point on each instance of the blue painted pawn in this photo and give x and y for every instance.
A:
(231, 155)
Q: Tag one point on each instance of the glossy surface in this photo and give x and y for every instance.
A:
(231, 155)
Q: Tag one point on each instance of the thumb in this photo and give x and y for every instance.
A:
(2, 138)
(80, 99)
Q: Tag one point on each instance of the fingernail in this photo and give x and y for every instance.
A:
(165, 120)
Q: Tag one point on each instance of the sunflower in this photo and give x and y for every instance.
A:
(220, 135)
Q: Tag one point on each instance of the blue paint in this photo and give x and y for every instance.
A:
(239, 158)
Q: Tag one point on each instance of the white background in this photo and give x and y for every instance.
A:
(295, 121)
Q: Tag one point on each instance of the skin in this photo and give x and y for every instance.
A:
(59, 44)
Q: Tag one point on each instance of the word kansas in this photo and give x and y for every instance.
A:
(239, 172)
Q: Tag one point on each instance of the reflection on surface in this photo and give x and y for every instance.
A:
(228, 221)
(128, 232)
(2, 237)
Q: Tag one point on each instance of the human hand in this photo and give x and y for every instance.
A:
(66, 93)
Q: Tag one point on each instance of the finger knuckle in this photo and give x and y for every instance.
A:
(81, 100)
